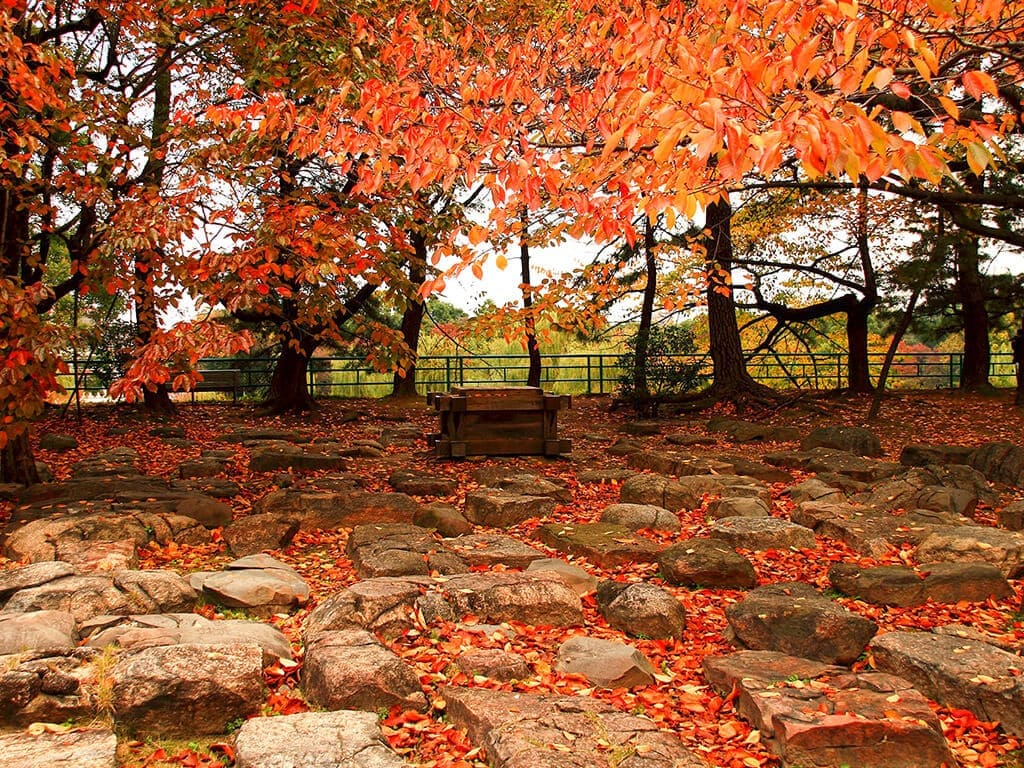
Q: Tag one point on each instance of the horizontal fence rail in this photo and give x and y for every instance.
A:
(581, 373)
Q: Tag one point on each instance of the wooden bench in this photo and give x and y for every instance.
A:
(498, 421)
(219, 380)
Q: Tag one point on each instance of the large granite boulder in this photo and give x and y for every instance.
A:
(637, 516)
(397, 549)
(256, 583)
(706, 563)
(975, 544)
(762, 533)
(186, 690)
(328, 510)
(641, 610)
(350, 669)
(501, 509)
(1000, 463)
(491, 549)
(796, 619)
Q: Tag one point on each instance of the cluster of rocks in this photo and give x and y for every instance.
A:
(84, 633)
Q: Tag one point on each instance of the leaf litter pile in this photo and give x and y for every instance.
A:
(680, 701)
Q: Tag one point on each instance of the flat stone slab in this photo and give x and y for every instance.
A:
(540, 731)
(1000, 463)
(739, 431)
(350, 669)
(397, 549)
(388, 605)
(871, 531)
(501, 509)
(256, 583)
(923, 454)
(578, 580)
(938, 582)
(328, 510)
(147, 631)
(120, 593)
(342, 739)
(526, 484)
(418, 484)
(795, 618)
(958, 673)
(677, 464)
(856, 440)
(835, 462)
(603, 544)
(48, 686)
(490, 549)
(813, 714)
(762, 533)
(665, 492)
(276, 456)
(36, 630)
(74, 748)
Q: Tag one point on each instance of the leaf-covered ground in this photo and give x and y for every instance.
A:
(680, 701)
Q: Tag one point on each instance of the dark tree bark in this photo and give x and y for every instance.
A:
(17, 464)
(858, 371)
(731, 380)
(156, 400)
(532, 346)
(641, 387)
(974, 316)
(289, 384)
(890, 353)
(412, 318)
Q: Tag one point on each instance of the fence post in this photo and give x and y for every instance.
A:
(950, 366)
(462, 370)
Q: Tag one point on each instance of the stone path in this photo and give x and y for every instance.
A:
(85, 633)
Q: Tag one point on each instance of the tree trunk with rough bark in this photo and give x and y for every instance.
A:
(858, 369)
(641, 389)
(730, 380)
(289, 384)
(156, 400)
(532, 346)
(971, 292)
(404, 384)
(17, 463)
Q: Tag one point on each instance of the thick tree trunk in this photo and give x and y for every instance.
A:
(532, 346)
(158, 399)
(17, 464)
(971, 292)
(412, 319)
(858, 370)
(730, 380)
(289, 385)
(641, 388)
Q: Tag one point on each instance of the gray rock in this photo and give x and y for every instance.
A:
(443, 518)
(36, 631)
(604, 663)
(502, 509)
(187, 690)
(574, 577)
(32, 575)
(262, 589)
(385, 605)
(490, 549)
(794, 618)
(256, 533)
(390, 549)
(975, 544)
(535, 598)
(328, 510)
(637, 516)
(738, 507)
(522, 730)
(52, 441)
(921, 455)
(762, 533)
(139, 632)
(856, 440)
(813, 489)
(662, 492)
(92, 748)
(1000, 463)
(416, 483)
(603, 544)
(812, 714)
(275, 456)
(525, 484)
(314, 740)
(493, 663)
(641, 610)
(1011, 516)
(350, 669)
(706, 563)
(938, 582)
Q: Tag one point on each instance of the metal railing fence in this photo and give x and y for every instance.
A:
(583, 373)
